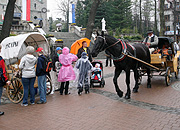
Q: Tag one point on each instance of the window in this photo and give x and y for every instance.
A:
(35, 5)
(177, 6)
(167, 18)
(167, 28)
(166, 6)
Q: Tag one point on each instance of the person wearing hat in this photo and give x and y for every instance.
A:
(55, 59)
(84, 66)
(41, 74)
(151, 41)
(84, 48)
(27, 65)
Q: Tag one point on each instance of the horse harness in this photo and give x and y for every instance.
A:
(124, 49)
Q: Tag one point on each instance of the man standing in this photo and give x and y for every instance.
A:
(40, 72)
(108, 57)
(84, 48)
(55, 59)
(151, 41)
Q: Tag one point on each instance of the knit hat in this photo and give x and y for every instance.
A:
(98, 65)
(58, 48)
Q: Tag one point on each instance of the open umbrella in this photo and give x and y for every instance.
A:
(78, 44)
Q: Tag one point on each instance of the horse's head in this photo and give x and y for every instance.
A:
(99, 44)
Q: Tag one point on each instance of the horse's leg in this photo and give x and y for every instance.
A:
(128, 94)
(149, 78)
(136, 76)
(117, 73)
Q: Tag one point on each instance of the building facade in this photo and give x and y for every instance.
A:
(37, 12)
(169, 17)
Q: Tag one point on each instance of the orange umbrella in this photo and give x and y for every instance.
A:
(78, 44)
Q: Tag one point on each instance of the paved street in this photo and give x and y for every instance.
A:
(157, 108)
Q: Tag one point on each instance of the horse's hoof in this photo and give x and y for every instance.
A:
(127, 97)
(149, 86)
(135, 90)
(120, 94)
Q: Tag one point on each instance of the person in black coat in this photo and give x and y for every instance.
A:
(56, 57)
(84, 48)
(108, 57)
(56, 84)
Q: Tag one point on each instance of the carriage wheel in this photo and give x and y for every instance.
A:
(48, 85)
(177, 72)
(15, 91)
(168, 76)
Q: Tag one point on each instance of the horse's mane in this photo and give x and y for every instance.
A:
(111, 38)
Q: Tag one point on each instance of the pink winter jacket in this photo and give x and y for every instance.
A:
(66, 72)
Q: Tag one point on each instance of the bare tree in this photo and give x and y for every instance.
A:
(8, 18)
(140, 17)
(63, 8)
(155, 17)
(91, 19)
(162, 21)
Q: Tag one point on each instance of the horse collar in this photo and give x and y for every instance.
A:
(124, 51)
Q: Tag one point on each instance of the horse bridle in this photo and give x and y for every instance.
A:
(123, 53)
(107, 44)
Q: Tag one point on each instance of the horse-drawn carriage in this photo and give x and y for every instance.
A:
(137, 58)
(164, 60)
(13, 49)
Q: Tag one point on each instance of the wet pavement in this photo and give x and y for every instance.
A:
(156, 108)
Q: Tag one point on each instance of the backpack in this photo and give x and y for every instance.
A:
(47, 64)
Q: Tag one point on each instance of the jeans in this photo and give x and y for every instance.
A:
(1, 91)
(42, 87)
(28, 84)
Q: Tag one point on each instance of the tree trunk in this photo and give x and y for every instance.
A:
(8, 18)
(175, 22)
(92, 14)
(155, 18)
(162, 22)
(140, 15)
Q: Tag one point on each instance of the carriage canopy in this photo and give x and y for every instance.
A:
(14, 47)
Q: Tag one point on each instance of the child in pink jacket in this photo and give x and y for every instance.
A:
(66, 72)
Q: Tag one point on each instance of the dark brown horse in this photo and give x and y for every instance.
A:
(118, 48)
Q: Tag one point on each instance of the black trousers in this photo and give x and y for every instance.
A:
(108, 58)
(64, 86)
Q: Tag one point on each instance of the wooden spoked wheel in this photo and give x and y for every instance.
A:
(177, 71)
(168, 76)
(48, 85)
(15, 91)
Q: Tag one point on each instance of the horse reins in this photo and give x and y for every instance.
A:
(124, 49)
(112, 44)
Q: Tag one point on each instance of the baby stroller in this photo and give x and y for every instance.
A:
(95, 81)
